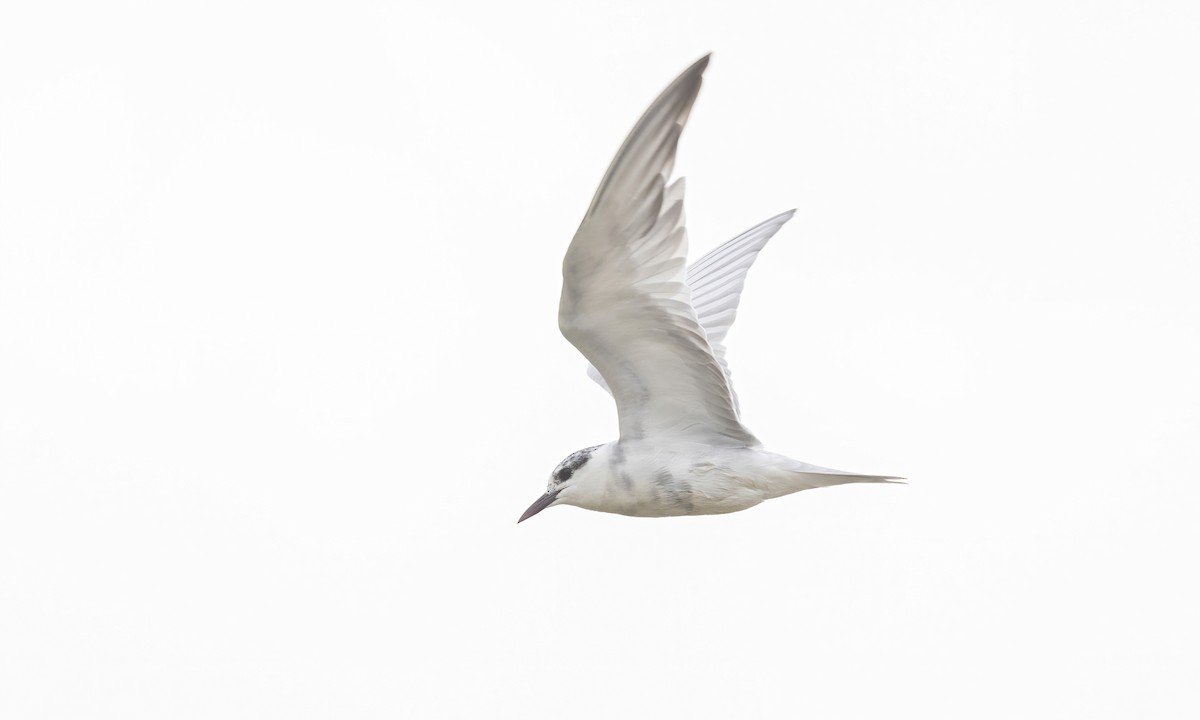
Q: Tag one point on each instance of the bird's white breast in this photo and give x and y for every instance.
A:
(682, 479)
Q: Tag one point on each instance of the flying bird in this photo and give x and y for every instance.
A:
(654, 334)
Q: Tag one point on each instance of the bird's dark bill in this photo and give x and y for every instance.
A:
(539, 505)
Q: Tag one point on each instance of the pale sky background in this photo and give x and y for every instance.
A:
(279, 362)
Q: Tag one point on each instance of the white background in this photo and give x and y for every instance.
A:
(279, 364)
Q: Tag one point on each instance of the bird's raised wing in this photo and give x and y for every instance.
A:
(625, 302)
(716, 282)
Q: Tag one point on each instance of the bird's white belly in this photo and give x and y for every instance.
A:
(686, 482)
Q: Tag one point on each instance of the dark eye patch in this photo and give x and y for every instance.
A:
(574, 461)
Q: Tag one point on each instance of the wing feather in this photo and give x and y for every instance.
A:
(625, 302)
(715, 282)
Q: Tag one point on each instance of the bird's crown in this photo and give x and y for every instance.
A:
(573, 462)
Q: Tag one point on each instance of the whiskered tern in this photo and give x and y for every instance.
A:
(654, 334)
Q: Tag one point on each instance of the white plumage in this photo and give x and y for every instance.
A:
(654, 334)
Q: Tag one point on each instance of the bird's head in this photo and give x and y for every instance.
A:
(574, 476)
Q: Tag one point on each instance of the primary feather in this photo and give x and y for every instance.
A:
(625, 300)
(715, 282)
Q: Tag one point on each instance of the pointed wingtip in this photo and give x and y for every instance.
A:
(775, 220)
(698, 67)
